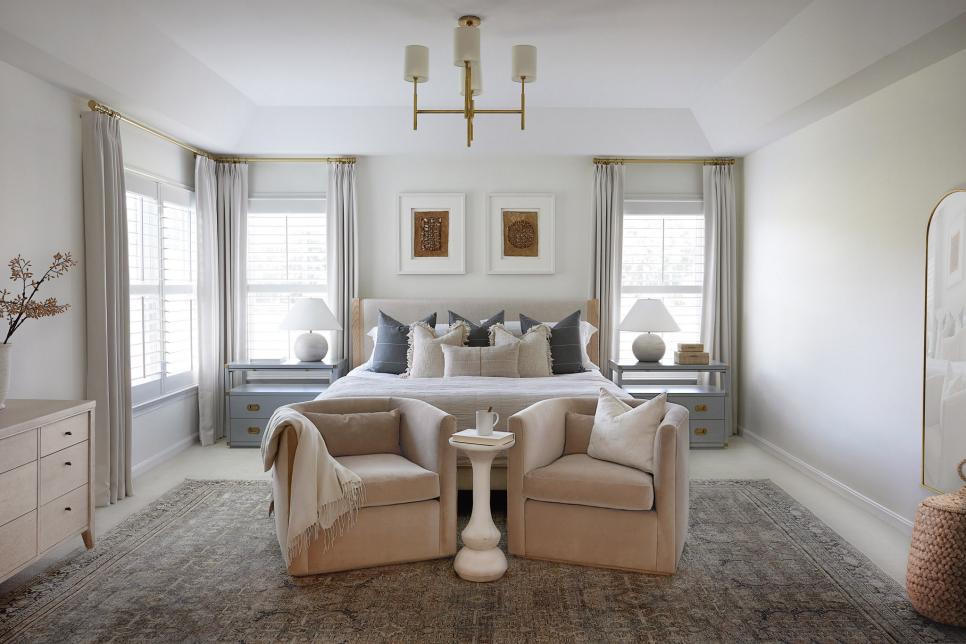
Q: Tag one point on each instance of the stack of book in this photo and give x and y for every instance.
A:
(471, 437)
(691, 354)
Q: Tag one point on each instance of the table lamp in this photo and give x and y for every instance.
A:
(310, 314)
(649, 315)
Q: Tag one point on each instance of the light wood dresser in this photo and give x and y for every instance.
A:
(46, 467)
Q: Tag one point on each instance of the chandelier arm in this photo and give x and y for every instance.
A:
(523, 103)
(415, 106)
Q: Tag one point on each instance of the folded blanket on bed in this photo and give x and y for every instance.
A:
(325, 495)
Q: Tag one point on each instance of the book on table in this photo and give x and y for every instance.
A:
(471, 437)
(691, 357)
(690, 348)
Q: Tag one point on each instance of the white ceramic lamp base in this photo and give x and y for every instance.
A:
(648, 347)
(311, 347)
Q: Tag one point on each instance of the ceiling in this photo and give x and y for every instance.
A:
(632, 77)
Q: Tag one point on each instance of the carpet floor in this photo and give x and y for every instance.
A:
(203, 564)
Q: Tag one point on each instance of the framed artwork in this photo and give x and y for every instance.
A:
(520, 233)
(431, 233)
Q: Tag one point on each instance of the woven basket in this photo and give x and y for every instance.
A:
(936, 576)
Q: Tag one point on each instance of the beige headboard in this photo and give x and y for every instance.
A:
(365, 314)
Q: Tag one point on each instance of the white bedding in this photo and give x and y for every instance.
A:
(464, 396)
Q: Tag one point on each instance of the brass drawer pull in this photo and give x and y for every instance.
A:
(700, 431)
(67, 463)
(67, 509)
(68, 433)
(254, 430)
(253, 407)
(700, 408)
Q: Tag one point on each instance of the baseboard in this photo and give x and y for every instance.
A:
(877, 509)
(167, 454)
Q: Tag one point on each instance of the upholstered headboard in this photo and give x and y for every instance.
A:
(365, 314)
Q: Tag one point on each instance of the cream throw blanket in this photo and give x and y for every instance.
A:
(325, 495)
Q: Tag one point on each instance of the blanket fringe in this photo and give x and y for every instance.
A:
(347, 508)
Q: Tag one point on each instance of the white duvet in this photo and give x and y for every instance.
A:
(464, 396)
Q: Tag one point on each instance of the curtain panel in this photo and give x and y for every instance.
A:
(719, 323)
(608, 233)
(221, 197)
(108, 302)
(343, 265)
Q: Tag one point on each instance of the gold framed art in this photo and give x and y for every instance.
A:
(520, 233)
(430, 235)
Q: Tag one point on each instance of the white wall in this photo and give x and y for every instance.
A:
(834, 252)
(41, 214)
(382, 178)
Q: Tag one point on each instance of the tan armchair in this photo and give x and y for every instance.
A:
(410, 509)
(563, 505)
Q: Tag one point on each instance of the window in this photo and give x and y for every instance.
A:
(286, 261)
(663, 258)
(162, 260)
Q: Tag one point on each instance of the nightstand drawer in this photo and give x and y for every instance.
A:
(262, 406)
(247, 431)
(700, 407)
(62, 516)
(710, 432)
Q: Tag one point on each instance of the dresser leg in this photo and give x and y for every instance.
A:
(88, 538)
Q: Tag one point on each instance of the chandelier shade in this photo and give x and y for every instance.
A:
(466, 45)
(524, 65)
(416, 65)
(476, 79)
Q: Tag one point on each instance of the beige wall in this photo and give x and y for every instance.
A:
(833, 258)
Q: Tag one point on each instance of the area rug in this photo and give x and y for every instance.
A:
(203, 564)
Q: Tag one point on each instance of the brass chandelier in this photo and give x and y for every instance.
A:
(466, 56)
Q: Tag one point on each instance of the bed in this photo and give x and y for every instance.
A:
(463, 396)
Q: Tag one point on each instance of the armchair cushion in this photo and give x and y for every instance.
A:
(358, 433)
(579, 479)
(390, 479)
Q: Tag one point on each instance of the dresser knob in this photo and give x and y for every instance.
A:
(67, 463)
(67, 509)
(68, 433)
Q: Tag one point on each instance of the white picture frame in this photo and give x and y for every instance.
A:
(497, 262)
(408, 204)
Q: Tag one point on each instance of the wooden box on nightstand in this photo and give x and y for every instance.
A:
(249, 406)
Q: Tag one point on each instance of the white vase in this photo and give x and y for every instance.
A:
(5, 350)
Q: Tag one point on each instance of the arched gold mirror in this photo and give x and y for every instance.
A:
(944, 360)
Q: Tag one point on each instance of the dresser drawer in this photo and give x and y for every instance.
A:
(262, 406)
(710, 432)
(18, 493)
(19, 539)
(63, 471)
(63, 433)
(17, 450)
(63, 516)
(247, 431)
(700, 406)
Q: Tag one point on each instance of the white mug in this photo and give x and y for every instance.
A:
(485, 420)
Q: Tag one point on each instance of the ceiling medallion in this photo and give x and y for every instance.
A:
(466, 56)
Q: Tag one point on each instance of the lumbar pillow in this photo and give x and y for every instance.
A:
(492, 362)
(392, 344)
(534, 349)
(625, 435)
(479, 335)
(565, 343)
(577, 430)
(358, 433)
(425, 349)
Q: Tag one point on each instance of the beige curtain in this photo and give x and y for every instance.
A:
(221, 197)
(343, 268)
(608, 222)
(108, 293)
(719, 323)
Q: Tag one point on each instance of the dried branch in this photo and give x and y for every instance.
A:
(18, 308)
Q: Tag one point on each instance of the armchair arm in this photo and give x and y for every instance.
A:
(540, 433)
(671, 486)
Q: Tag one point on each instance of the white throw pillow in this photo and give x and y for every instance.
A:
(534, 349)
(425, 349)
(625, 435)
(587, 331)
(489, 362)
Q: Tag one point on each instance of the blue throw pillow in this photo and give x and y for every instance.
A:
(564, 342)
(392, 344)
(479, 333)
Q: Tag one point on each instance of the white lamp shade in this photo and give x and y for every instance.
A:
(416, 65)
(524, 64)
(476, 72)
(310, 314)
(649, 315)
(466, 45)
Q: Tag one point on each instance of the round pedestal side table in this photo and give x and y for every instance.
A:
(480, 558)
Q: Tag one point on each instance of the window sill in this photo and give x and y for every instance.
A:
(150, 405)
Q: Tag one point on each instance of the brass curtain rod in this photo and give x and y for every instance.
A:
(104, 109)
(672, 160)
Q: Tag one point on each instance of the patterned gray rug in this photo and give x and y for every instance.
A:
(203, 564)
